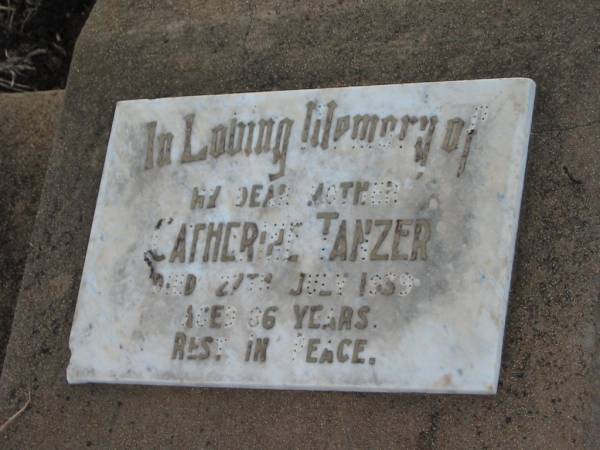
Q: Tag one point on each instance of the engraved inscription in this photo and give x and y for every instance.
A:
(346, 238)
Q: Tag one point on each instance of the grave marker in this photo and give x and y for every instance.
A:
(341, 239)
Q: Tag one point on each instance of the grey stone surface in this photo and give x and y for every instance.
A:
(548, 396)
(27, 126)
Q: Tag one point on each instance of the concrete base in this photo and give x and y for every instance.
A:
(548, 396)
(27, 125)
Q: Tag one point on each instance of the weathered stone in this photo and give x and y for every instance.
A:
(27, 125)
(549, 378)
(331, 239)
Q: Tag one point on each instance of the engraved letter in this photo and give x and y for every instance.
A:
(265, 130)
(310, 107)
(197, 228)
(421, 237)
(311, 347)
(361, 186)
(150, 132)
(197, 199)
(231, 149)
(362, 315)
(328, 121)
(398, 234)
(225, 256)
(217, 145)
(311, 318)
(341, 126)
(254, 193)
(248, 146)
(298, 290)
(368, 123)
(260, 350)
(422, 149)
(340, 247)
(389, 121)
(406, 120)
(359, 346)
(465, 153)
(341, 356)
(374, 256)
(268, 320)
(326, 356)
(187, 146)
(179, 247)
(190, 284)
(281, 147)
(215, 313)
(249, 235)
(210, 235)
(212, 199)
(205, 343)
(178, 346)
(453, 129)
(299, 313)
(164, 149)
(327, 216)
(345, 318)
(359, 238)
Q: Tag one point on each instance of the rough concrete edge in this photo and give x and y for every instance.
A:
(61, 126)
(20, 308)
(593, 434)
(43, 190)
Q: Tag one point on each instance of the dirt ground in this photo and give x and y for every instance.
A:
(36, 42)
(549, 391)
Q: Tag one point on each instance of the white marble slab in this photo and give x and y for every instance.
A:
(364, 243)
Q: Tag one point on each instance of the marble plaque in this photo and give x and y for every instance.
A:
(357, 239)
